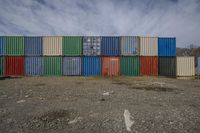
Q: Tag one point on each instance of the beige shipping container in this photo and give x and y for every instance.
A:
(52, 45)
(149, 46)
(185, 66)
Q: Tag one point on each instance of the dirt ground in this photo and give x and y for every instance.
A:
(99, 105)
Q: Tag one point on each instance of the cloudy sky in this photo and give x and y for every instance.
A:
(177, 18)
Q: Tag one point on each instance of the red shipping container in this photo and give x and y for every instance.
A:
(110, 66)
(149, 65)
(14, 66)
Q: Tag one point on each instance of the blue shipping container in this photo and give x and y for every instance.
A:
(2, 46)
(110, 46)
(33, 46)
(91, 66)
(166, 46)
(198, 65)
(72, 66)
(33, 66)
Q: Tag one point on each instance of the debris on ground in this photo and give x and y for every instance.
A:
(106, 93)
(21, 101)
(128, 120)
(77, 119)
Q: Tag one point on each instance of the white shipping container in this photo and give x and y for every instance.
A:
(185, 66)
(149, 46)
(52, 45)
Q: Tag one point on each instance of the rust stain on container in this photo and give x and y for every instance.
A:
(149, 65)
(14, 66)
(111, 66)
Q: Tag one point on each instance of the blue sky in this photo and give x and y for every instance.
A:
(179, 18)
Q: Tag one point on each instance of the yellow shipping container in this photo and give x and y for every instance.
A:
(52, 45)
(185, 66)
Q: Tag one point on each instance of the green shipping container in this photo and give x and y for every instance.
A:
(129, 66)
(52, 66)
(72, 46)
(1, 66)
(14, 45)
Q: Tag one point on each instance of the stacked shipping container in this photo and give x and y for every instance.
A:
(14, 56)
(52, 52)
(33, 56)
(167, 56)
(129, 61)
(149, 56)
(110, 50)
(92, 56)
(91, 51)
(72, 51)
(2, 45)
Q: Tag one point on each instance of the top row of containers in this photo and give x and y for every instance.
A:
(87, 46)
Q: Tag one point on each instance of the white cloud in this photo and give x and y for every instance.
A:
(102, 17)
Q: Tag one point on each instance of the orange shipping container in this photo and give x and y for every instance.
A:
(110, 66)
(149, 65)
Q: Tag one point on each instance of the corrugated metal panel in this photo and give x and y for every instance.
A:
(130, 45)
(110, 46)
(149, 65)
(14, 66)
(111, 66)
(1, 66)
(130, 66)
(91, 46)
(52, 66)
(33, 46)
(52, 45)
(72, 66)
(14, 45)
(33, 66)
(148, 46)
(2, 46)
(72, 46)
(91, 66)
(185, 66)
(198, 65)
(166, 46)
(167, 66)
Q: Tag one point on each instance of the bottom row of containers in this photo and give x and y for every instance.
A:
(94, 66)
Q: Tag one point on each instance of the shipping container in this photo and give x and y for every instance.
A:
(129, 66)
(2, 46)
(1, 66)
(148, 65)
(166, 46)
(52, 45)
(52, 66)
(72, 46)
(14, 46)
(148, 46)
(130, 45)
(111, 66)
(72, 66)
(91, 45)
(198, 65)
(33, 66)
(33, 46)
(91, 66)
(14, 66)
(185, 66)
(110, 46)
(167, 66)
